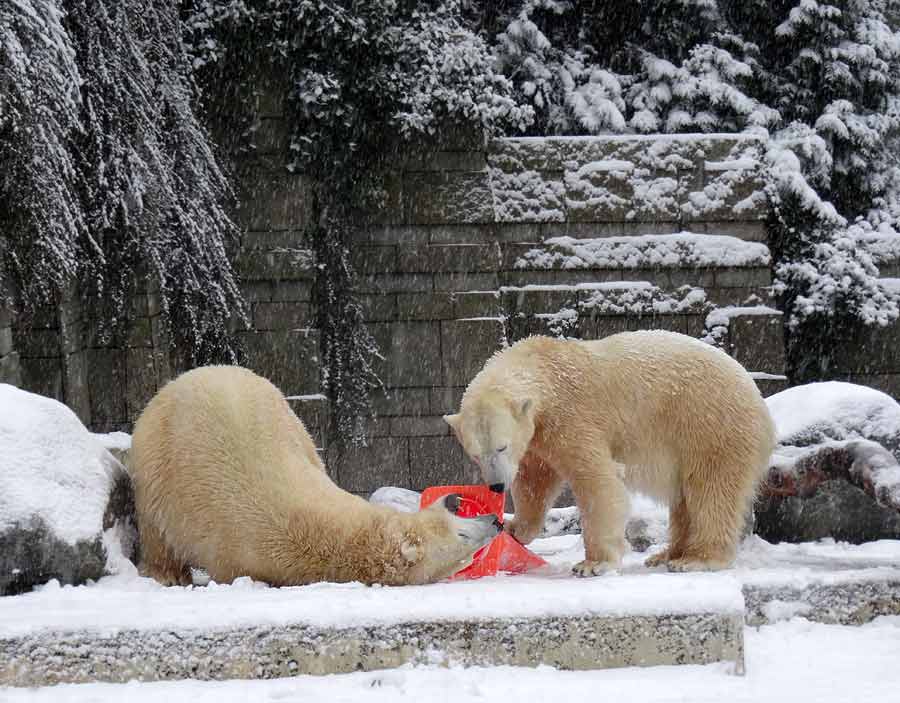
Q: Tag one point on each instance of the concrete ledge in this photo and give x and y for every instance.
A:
(850, 600)
(127, 628)
(265, 652)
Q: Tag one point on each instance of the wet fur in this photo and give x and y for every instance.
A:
(228, 479)
(658, 412)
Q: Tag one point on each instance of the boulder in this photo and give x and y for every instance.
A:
(60, 490)
(849, 491)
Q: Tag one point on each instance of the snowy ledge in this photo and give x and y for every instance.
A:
(246, 630)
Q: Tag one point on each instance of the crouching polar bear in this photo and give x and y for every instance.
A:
(227, 479)
(659, 412)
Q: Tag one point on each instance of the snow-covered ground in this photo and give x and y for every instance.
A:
(793, 661)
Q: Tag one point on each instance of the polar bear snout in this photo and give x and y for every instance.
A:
(478, 531)
(497, 469)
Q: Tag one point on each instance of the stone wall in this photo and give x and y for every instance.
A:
(474, 248)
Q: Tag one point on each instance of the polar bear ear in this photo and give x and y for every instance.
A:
(526, 408)
(452, 420)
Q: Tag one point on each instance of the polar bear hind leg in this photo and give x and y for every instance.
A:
(161, 563)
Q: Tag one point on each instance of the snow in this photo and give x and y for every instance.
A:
(127, 601)
(51, 467)
(645, 251)
(731, 165)
(786, 663)
(835, 410)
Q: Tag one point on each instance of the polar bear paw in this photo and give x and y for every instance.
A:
(586, 568)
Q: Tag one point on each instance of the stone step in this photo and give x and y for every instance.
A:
(116, 636)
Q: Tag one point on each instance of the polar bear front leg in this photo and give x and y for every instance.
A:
(603, 502)
(534, 490)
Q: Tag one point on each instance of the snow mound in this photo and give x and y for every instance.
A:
(834, 410)
(51, 467)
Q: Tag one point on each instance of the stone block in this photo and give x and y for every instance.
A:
(378, 307)
(38, 343)
(670, 323)
(466, 345)
(11, 370)
(292, 291)
(275, 201)
(141, 378)
(275, 264)
(419, 426)
(140, 332)
(6, 340)
(450, 197)
(374, 259)
(257, 291)
(314, 413)
(78, 392)
(524, 301)
(696, 277)
(400, 234)
(271, 135)
(735, 297)
(558, 277)
(528, 196)
(281, 239)
(885, 382)
(288, 358)
(424, 306)
(384, 462)
(447, 161)
(585, 230)
(464, 281)
(395, 283)
(600, 326)
(748, 230)
(873, 350)
(439, 461)
(282, 316)
(477, 304)
(411, 352)
(525, 231)
(639, 228)
(445, 258)
(743, 277)
(107, 381)
(445, 401)
(757, 342)
(526, 154)
(401, 401)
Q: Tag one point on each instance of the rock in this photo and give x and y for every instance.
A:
(816, 413)
(849, 491)
(59, 490)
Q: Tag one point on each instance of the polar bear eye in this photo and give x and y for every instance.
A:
(502, 449)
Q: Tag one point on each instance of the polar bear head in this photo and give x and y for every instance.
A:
(437, 543)
(495, 431)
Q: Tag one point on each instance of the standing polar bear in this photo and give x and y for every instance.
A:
(659, 412)
(227, 478)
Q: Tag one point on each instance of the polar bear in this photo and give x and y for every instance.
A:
(659, 412)
(227, 479)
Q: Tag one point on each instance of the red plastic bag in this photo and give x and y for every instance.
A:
(503, 553)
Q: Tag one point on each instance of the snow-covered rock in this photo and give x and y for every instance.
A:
(834, 410)
(835, 472)
(59, 488)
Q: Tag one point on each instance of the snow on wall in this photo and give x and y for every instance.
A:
(684, 249)
(628, 178)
